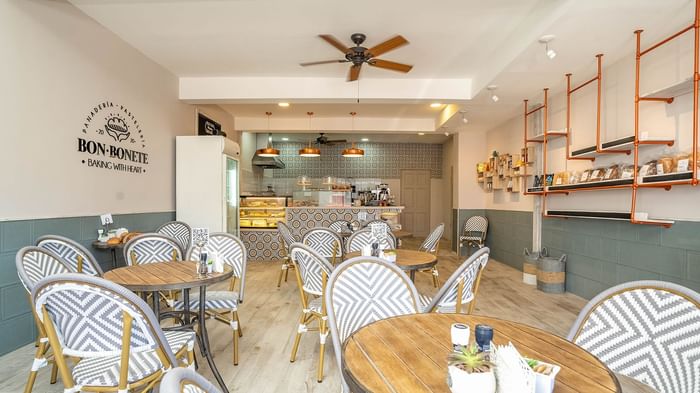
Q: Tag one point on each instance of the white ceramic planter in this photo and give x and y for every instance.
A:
(463, 382)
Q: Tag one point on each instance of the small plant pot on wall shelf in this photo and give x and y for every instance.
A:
(461, 381)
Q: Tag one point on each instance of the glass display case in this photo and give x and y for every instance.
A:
(262, 212)
(321, 198)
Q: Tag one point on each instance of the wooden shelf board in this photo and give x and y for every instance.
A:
(624, 143)
(591, 186)
(671, 91)
(598, 215)
(678, 177)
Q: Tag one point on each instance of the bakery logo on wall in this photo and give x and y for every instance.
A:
(112, 139)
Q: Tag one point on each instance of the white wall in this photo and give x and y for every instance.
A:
(663, 67)
(57, 64)
(470, 149)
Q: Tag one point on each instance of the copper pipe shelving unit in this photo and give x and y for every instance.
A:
(667, 96)
(542, 140)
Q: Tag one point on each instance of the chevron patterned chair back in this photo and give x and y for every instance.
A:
(340, 225)
(286, 235)
(36, 263)
(311, 266)
(475, 229)
(324, 241)
(646, 330)
(362, 290)
(430, 244)
(360, 238)
(106, 326)
(178, 230)
(462, 286)
(185, 380)
(231, 251)
(77, 257)
(381, 222)
(151, 248)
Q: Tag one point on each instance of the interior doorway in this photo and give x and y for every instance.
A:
(415, 197)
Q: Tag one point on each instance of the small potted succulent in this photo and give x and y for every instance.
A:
(470, 371)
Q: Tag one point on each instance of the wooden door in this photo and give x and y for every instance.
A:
(415, 197)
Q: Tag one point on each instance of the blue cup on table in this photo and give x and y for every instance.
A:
(483, 334)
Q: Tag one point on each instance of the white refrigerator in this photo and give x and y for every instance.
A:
(207, 175)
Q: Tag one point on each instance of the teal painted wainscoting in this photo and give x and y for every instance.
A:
(16, 321)
(603, 253)
(510, 232)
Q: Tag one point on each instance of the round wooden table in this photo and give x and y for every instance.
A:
(409, 354)
(408, 260)
(170, 276)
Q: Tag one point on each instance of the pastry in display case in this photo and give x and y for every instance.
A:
(262, 212)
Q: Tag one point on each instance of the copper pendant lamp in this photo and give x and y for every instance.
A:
(268, 151)
(310, 151)
(353, 151)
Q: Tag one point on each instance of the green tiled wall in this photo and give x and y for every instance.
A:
(601, 253)
(604, 253)
(16, 321)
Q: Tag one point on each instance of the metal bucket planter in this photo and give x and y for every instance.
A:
(530, 267)
(551, 273)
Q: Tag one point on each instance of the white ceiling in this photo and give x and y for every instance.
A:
(257, 44)
(373, 137)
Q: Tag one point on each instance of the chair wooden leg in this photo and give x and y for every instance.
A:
(436, 281)
(300, 329)
(282, 272)
(54, 373)
(238, 322)
(40, 354)
(234, 317)
(323, 334)
(286, 273)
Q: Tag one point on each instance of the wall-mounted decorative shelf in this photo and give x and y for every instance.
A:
(669, 92)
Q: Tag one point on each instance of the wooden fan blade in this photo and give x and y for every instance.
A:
(387, 45)
(322, 62)
(354, 73)
(334, 41)
(390, 65)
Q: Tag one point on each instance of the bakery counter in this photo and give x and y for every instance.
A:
(264, 244)
(301, 219)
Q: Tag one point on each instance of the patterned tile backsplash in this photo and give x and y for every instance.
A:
(381, 160)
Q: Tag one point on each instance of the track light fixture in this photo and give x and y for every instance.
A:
(492, 91)
(464, 116)
(546, 39)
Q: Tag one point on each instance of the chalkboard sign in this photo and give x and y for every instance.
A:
(207, 126)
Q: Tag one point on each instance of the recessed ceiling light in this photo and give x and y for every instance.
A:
(364, 139)
(435, 105)
(283, 104)
(285, 139)
(421, 133)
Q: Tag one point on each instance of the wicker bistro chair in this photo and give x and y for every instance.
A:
(287, 239)
(362, 290)
(112, 332)
(151, 248)
(77, 257)
(363, 237)
(646, 330)
(232, 252)
(461, 288)
(473, 233)
(185, 380)
(312, 271)
(178, 230)
(340, 225)
(325, 242)
(431, 244)
(33, 265)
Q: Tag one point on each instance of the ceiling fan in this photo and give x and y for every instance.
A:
(323, 140)
(358, 54)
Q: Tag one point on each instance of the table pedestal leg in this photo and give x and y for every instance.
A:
(114, 257)
(412, 273)
(204, 340)
(156, 305)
